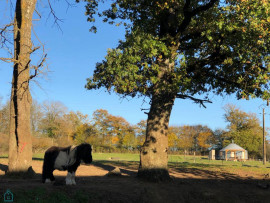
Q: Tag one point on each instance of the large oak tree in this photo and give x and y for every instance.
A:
(183, 49)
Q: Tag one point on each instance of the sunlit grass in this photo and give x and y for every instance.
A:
(179, 161)
(101, 156)
(202, 163)
(116, 156)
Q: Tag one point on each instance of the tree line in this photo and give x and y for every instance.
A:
(53, 124)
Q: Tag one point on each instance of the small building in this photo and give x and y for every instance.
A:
(233, 152)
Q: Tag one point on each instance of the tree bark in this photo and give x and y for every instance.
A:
(20, 141)
(154, 152)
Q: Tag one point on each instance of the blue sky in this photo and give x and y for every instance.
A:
(72, 55)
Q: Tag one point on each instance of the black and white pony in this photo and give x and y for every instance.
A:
(63, 159)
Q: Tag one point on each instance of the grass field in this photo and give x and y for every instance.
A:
(200, 162)
(181, 161)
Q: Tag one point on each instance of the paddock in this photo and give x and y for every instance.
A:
(208, 180)
(192, 182)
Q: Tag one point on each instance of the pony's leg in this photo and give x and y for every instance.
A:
(52, 178)
(47, 174)
(48, 168)
(73, 178)
(44, 177)
(45, 171)
(48, 177)
(69, 178)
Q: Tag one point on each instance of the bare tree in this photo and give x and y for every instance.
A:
(53, 112)
(20, 141)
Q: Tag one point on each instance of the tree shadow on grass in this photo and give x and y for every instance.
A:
(207, 174)
(205, 171)
(3, 156)
(204, 165)
(109, 166)
(38, 159)
(34, 158)
(3, 167)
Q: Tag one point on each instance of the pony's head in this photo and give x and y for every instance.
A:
(84, 153)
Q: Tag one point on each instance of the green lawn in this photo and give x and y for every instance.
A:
(203, 163)
(116, 156)
(171, 159)
(198, 162)
(100, 156)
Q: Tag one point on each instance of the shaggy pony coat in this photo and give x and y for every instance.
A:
(67, 158)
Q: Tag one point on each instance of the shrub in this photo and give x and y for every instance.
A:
(4, 143)
(40, 144)
(63, 141)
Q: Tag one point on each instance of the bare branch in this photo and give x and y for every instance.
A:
(69, 4)
(37, 13)
(6, 27)
(56, 19)
(34, 49)
(8, 60)
(9, 50)
(196, 100)
(3, 37)
(33, 30)
(36, 68)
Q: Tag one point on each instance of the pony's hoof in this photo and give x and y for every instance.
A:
(48, 181)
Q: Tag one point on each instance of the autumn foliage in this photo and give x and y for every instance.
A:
(53, 124)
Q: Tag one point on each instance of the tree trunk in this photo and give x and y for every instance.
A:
(154, 152)
(20, 142)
